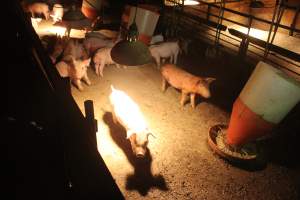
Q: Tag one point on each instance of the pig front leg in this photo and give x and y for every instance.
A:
(183, 97)
(77, 83)
(193, 96)
(164, 84)
(175, 58)
(86, 79)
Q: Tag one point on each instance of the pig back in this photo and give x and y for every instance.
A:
(179, 78)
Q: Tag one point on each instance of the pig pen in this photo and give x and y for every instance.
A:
(180, 164)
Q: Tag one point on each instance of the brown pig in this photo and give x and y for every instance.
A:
(75, 69)
(186, 82)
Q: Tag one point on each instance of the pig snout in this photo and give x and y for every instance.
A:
(204, 92)
(140, 152)
(203, 87)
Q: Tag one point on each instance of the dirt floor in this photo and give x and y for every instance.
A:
(180, 164)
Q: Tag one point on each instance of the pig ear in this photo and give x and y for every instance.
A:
(129, 133)
(151, 135)
(87, 62)
(68, 59)
(209, 80)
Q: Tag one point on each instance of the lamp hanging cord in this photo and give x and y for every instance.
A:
(278, 13)
(220, 20)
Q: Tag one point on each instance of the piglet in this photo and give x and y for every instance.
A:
(186, 82)
(75, 69)
(165, 50)
(101, 58)
(75, 48)
(91, 44)
(38, 8)
(127, 113)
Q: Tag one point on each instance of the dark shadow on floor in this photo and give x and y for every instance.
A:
(283, 145)
(142, 180)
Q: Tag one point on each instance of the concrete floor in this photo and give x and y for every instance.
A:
(180, 165)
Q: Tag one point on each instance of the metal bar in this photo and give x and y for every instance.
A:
(247, 16)
(293, 25)
(282, 51)
(204, 21)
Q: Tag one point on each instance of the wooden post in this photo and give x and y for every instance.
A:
(90, 118)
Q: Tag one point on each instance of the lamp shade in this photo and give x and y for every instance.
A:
(75, 19)
(257, 4)
(131, 53)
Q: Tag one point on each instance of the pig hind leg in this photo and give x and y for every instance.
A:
(77, 83)
(102, 65)
(175, 57)
(193, 97)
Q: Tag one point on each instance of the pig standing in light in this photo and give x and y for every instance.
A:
(127, 113)
(186, 82)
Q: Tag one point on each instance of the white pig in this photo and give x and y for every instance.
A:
(39, 8)
(75, 69)
(165, 50)
(101, 58)
(91, 44)
(127, 113)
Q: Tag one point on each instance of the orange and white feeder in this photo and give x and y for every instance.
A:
(91, 8)
(265, 100)
(146, 21)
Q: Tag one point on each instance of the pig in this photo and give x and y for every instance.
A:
(101, 58)
(91, 44)
(58, 49)
(75, 48)
(165, 50)
(186, 82)
(75, 69)
(54, 46)
(127, 113)
(38, 8)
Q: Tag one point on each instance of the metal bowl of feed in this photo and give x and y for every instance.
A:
(217, 142)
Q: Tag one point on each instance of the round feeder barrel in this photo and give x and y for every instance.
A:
(146, 21)
(58, 10)
(265, 100)
(91, 8)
